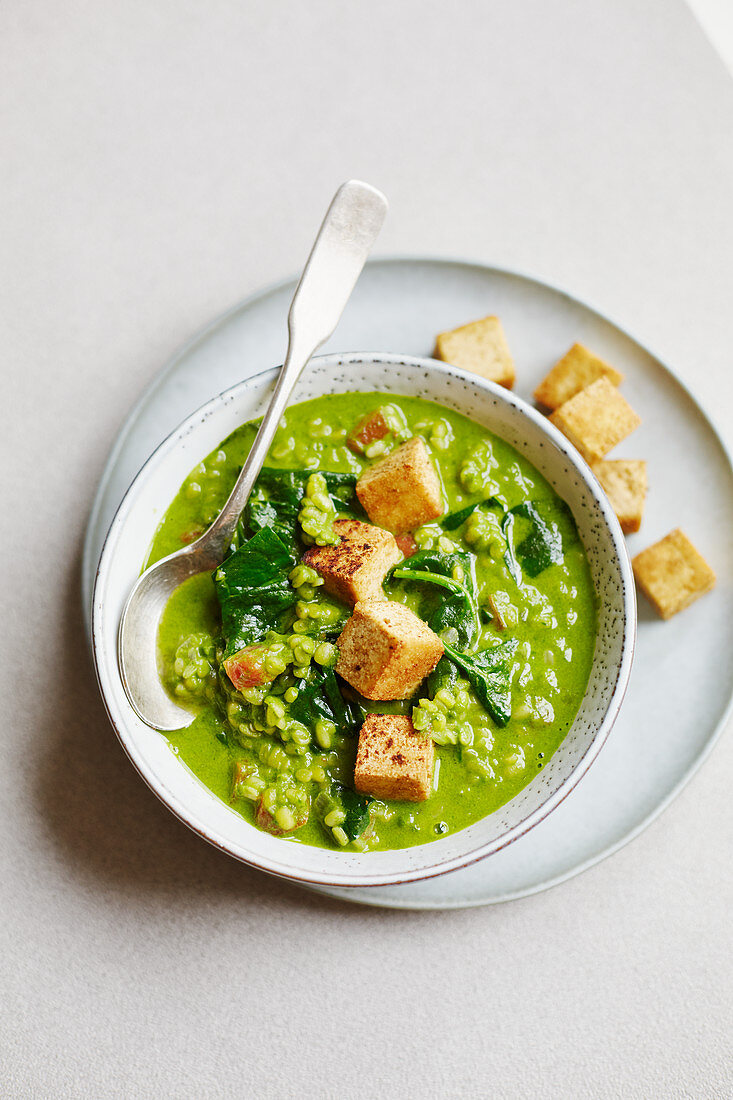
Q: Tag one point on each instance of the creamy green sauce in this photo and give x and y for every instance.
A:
(553, 616)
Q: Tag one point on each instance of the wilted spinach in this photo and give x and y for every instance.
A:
(444, 675)
(253, 590)
(356, 807)
(320, 694)
(489, 673)
(458, 609)
(539, 534)
(277, 494)
(453, 520)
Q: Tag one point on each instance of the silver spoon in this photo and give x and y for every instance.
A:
(349, 229)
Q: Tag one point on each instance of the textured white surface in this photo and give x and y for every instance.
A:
(160, 160)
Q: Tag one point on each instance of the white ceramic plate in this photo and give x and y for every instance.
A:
(683, 676)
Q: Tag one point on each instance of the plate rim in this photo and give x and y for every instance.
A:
(89, 566)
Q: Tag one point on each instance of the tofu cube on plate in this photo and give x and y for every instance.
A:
(571, 374)
(624, 482)
(596, 419)
(672, 574)
(480, 347)
(393, 760)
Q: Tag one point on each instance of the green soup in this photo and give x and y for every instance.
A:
(533, 596)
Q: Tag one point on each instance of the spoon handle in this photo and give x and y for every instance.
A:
(346, 236)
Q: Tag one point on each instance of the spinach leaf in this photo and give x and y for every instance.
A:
(559, 514)
(319, 694)
(444, 675)
(356, 807)
(327, 631)
(277, 494)
(546, 527)
(253, 590)
(489, 673)
(453, 520)
(263, 514)
(347, 714)
(289, 485)
(458, 610)
(311, 704)
(431, 578)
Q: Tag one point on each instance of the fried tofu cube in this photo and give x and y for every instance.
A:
(571, 374)
(393, 761)
(386, 651)
(402, 491)
(355, 568)
(672, 574)
(480, 347)
(596, 419)
(624, 482)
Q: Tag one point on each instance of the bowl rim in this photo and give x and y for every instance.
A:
(481, 851)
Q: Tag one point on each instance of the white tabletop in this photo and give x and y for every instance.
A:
(162, 159)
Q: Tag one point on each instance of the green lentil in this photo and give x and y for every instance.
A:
(476, 470)
(317, 513)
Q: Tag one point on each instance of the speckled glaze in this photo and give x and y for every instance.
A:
(501, 412)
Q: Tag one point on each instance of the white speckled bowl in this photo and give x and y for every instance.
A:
(503, 413)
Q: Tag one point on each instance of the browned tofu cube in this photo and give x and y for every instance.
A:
(672, 574)
(480, 347)
(402, 491)
(355, 568)
(386, 651)
(576, 370)
(596, 419)
(393, 760)
(624, 482)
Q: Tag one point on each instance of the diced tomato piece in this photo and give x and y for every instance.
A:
(407, 545)
(372, 427)
(191, 536)
(247, 668)
(240, 774)
(264, 820)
